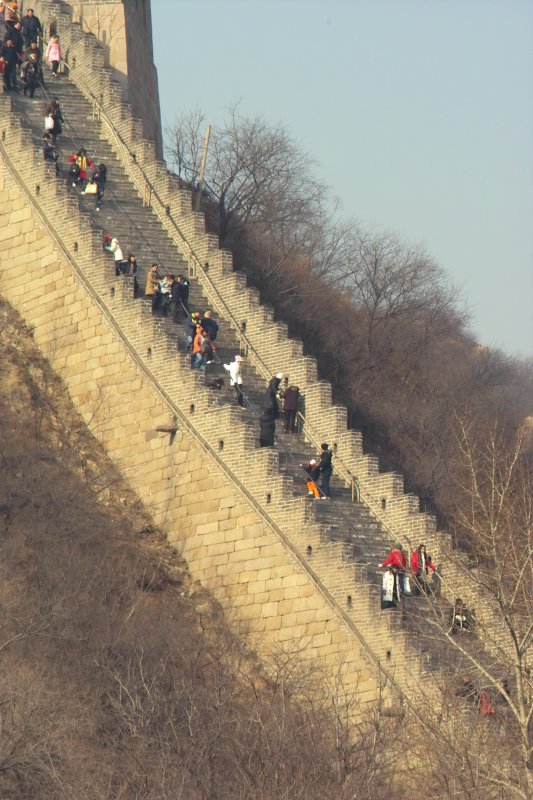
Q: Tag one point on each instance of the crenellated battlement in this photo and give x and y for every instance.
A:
(292, 570)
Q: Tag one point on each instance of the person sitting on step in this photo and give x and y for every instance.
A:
(462, 619)
(312, 470)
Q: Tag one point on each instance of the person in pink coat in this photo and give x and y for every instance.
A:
(53, 54)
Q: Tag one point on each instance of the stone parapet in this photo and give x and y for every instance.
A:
(112, 320)
(210, 500)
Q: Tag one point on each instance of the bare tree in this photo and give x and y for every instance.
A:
(492, 733)
(254, 172)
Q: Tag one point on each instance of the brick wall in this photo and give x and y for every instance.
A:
(53, 271)
(270, 350)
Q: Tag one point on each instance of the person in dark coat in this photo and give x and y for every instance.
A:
(209, 325)
(189, 325)
(174, 298)
(54, 111)
(184, 292)
(11, 59)
(17, 38)
(271, 404)
(31, 27)
(49, 151)
(131, 270)
(33, 48)
(31, 73)
(267, 429)
(99, 177)
(267, 421)
(290, 407)
(326, 468)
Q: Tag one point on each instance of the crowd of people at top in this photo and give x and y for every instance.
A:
(21, 48)
(21, 55)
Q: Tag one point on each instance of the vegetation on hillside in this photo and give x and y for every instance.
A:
(388, 327)
(120, 679)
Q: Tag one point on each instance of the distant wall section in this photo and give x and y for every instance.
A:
(124, 29)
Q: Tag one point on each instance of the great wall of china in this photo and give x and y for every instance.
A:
(300, 575)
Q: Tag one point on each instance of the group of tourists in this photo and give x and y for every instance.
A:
(397, 583)
(169, 293)
(21, 49)
(485, 700)
(396, 580)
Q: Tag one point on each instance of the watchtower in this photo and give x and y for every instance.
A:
(124, 29)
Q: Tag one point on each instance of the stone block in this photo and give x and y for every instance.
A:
(269, 610)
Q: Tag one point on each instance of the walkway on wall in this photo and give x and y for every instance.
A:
(360, 539)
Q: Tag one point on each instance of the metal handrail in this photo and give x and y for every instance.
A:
(287, 451)
(392, 531)
(344, 472)
(330, 599)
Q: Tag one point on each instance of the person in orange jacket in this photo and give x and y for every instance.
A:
(200, 347)
(312, 470)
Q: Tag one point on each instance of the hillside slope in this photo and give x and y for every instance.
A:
(119, 676)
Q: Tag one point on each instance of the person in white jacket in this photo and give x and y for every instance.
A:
(235, 378)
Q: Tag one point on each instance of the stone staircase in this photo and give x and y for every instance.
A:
(340, 541)
(343, 537)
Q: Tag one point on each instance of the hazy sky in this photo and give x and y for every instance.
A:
(419, 114)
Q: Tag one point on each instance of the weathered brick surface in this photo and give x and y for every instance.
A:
(229, 546)
(126, 381)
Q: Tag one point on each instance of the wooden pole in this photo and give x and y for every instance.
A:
(202, 166)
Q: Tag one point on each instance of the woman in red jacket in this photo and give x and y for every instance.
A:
(397, 562)
(421, 563)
